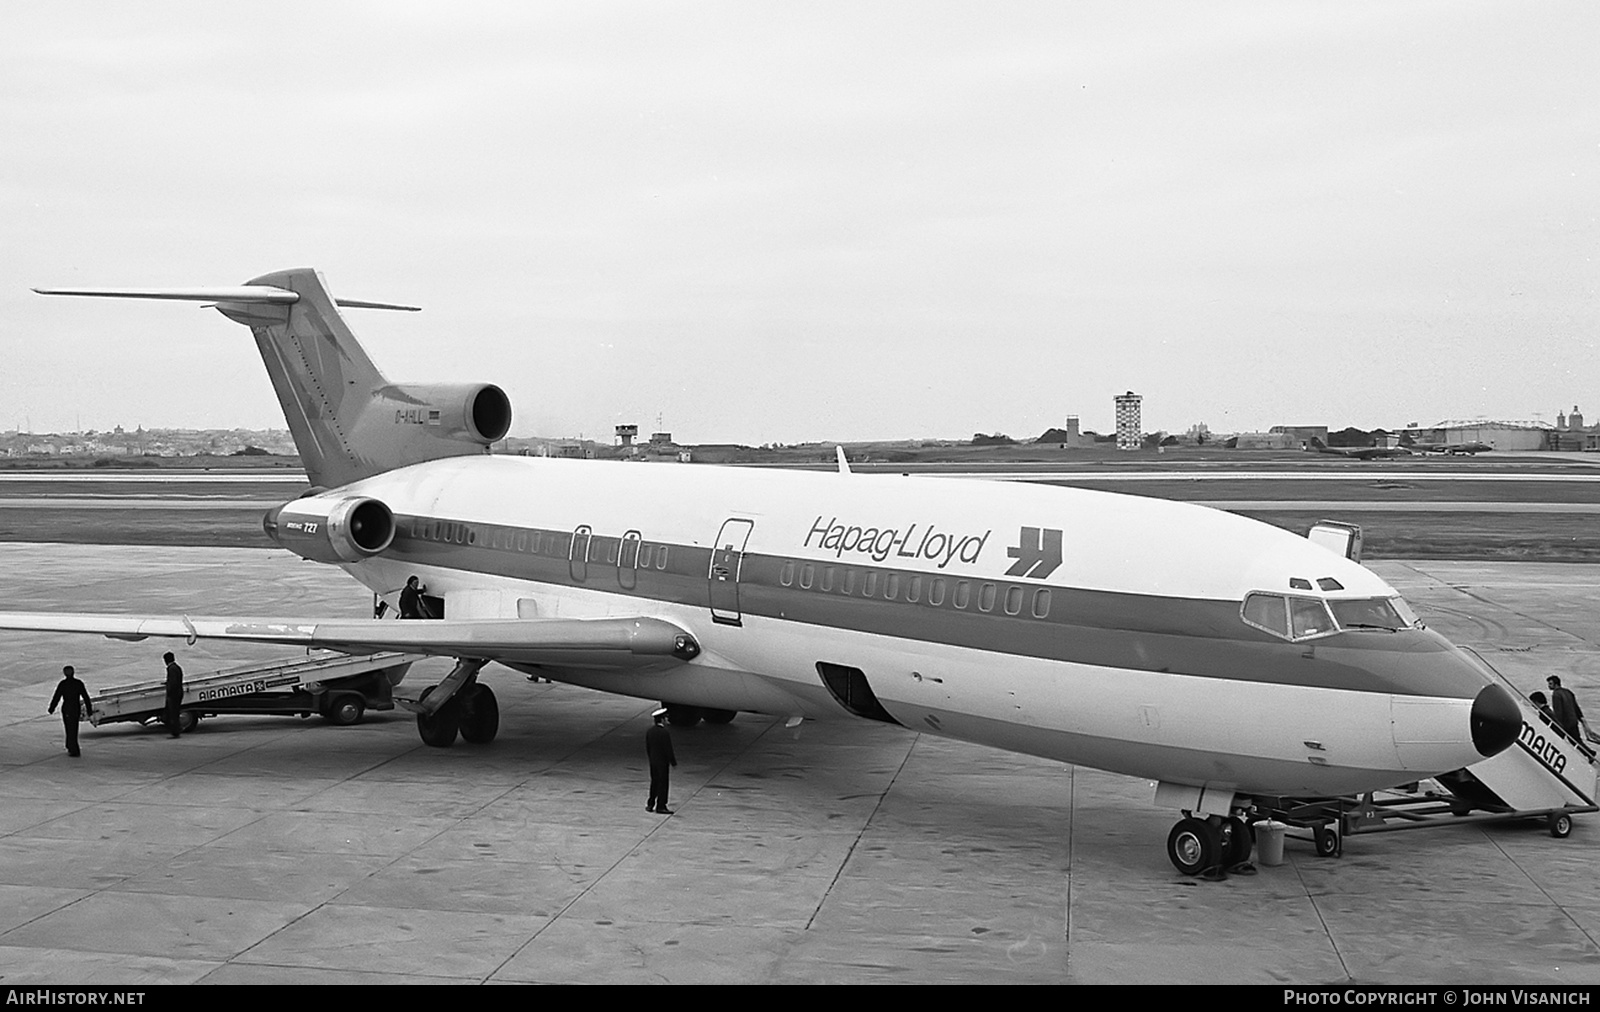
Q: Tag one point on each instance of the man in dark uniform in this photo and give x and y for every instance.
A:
(174, 694)
(1564, 708)
(411, 599)
(69, 694)
(658, 747)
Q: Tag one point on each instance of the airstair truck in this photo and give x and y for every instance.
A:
(1547, 775)
(340, 687)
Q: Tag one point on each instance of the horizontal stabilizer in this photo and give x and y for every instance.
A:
(237, 294)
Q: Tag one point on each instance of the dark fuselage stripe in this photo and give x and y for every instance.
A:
(1117, 630)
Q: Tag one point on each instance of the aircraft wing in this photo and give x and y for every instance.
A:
(560, 642)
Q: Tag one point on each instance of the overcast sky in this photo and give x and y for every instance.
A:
(782, 222)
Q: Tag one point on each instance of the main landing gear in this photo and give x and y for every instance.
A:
(458, 705)
(1211, 847)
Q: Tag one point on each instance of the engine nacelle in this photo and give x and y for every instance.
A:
(331, 528)
(466, 412)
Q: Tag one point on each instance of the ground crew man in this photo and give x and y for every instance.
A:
(411, 599)
(174, 694)
(658, 748)
(69, 694)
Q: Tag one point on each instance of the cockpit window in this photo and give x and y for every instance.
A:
(1308, 616)
(1267, 612)
(1370, 613)
(1300, 618)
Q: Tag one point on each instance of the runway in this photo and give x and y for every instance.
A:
(280, 850)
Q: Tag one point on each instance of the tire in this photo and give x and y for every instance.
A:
(1192, 846)
(345, 710)
(188, 720)
(439, 730)
(1238, 842)
(480, 715)
(1328, 843)
(718, 716)
(679, 715)
(1560, 824)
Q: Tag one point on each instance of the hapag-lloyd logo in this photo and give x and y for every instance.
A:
(914, 542)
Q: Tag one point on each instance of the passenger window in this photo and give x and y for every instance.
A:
(891, 587)
(786, 574)
(936, 591)
(661, 560)
(827, 578)
(849, 581)
(986, 597)
(807, 573)
(914, 589)
(963, 592)
(1013, 600)
(869, 585)
(1041, 603)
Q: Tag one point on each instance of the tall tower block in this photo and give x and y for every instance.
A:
(1130, 431)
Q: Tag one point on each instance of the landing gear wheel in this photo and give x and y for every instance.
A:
(679, 715)
(1328, 842)
(187, 721)
(439, 729)
(1238, 841)
(1192, 845)
(1560, 825)
(480, 715)
(345, 710)
(718, 716)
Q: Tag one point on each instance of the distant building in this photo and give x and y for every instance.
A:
(660, 439)
(1070, 437)
(1302, 434)
(1130, 429)
(1500, 434)
(1266, 441)
(626, 434)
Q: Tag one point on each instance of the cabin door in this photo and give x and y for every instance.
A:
(727, 555)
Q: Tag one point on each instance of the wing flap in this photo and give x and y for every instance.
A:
(565, 642)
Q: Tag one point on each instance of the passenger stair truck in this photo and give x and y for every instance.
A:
(1547, 774)
(340, 687)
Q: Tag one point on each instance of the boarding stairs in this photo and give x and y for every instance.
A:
(1547, 770)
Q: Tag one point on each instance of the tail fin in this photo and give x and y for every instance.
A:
(347, 420)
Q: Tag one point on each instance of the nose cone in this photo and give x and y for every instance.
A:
(1496, 720)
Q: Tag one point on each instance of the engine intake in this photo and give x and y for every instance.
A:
(330, 528)
(469, 412)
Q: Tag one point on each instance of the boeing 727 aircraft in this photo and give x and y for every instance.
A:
(1227, 660)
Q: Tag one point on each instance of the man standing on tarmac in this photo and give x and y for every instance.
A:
(69, 694)
(658, 747)
(174, 694)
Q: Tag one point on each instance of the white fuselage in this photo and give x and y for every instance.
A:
(1082, 626)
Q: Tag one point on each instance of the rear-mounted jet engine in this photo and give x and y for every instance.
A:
(330, 528)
